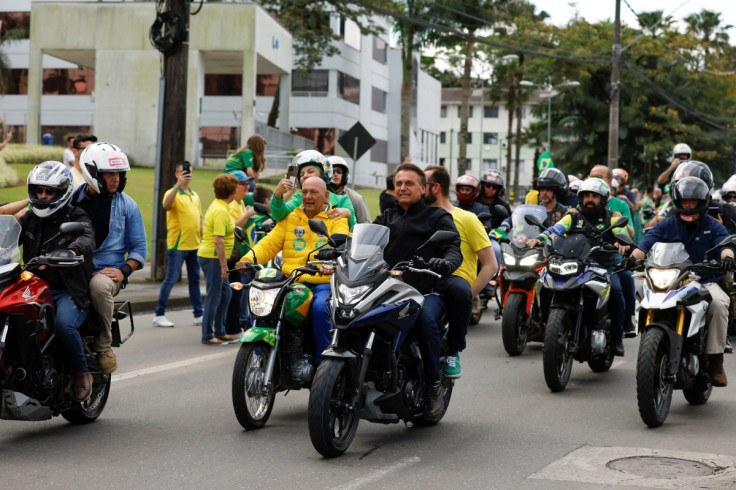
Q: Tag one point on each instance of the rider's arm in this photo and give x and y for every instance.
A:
(280, 208)
(13, 207)
(344, 202)
(664, 177)
(486, 273)
(135, 233)
(559, 228)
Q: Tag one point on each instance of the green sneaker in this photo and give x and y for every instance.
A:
(452, 367)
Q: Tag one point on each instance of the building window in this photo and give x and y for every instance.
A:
(17, 82)
(70, 81)
(15, 25)
(309, 84)
(348, 88)
(442, 162)
(267, 85)
(443, 111)
(350, 33)
(324, 138)
(490, 138)
(378, 100)
(490, 111)
(223, 85)
(379, 151)
(468, 140)
(59, 133)
(470, 111)
(217, 142)
(443, 135)
(380, 49)
(468, 164)
(489, 163)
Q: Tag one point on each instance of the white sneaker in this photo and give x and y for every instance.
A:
(162, 321)
(197, 320)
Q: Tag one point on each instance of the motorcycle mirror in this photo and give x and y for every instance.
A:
(533, 220)
(241, 237)
(71, 229)
(319, 227)
(620, 222)
(500, 211)
(262, 209)
(729, 240)
(625, 239)
(439, 238)
(339, 239)
(483, 217)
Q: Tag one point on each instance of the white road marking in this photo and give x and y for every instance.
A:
(589, 464)
(173, 365)
(379, 473)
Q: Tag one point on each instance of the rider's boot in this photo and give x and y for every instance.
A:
(432, 399)
(108, 361)
(715, 368)
(618, 347)
(82, 386)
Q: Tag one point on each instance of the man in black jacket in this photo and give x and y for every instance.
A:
(50, 190)
(411, 223)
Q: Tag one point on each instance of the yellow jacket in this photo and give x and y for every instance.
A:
(293, 236)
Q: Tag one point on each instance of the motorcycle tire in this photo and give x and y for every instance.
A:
(653, 394)
(699, 392)
(514, 330)
(90, 410)
(252, 408)
(556, 358)
(422, 420)
(477, 311)
(332, 422)
(603, 362)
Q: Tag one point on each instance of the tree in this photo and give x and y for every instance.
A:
(707, 25)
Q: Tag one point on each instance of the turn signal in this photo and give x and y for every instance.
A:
(26, 275)
(236, 286)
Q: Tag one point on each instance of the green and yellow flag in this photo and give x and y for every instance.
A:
(545, 161)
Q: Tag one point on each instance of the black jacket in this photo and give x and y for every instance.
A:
(75, 280)
(496, 218)
(411, 228)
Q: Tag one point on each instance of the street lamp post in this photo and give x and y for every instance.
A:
(549, 88)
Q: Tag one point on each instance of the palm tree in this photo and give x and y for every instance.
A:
(707, 25)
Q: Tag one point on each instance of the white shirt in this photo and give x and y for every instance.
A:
(68, 157)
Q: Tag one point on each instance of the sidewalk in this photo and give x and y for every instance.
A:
(142, 292)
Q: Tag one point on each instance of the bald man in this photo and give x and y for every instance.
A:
(293, 236)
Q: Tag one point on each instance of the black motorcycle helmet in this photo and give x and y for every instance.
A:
(690, 188)
(555, 179)
(693, 168)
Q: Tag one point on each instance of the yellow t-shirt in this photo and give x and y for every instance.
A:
(473, 237)
(237, 208)
(532, 197)
(182, 221)
(217, 221)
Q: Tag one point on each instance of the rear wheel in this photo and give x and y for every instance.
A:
(446, 393)
(251, 402)
(699, 392)
(556, 358)
(514, 326)
(603, 362)
(653, 392)
(331, 418)
(90, 410)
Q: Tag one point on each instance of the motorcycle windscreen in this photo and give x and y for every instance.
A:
(665, 254)
(365, 256)
(9, 233)
(521, 231)
(570, 246)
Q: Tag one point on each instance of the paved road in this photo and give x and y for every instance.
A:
(169, 424)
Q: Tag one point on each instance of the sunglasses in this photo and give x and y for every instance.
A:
(40, 191)
(337, 171)
(492, 186)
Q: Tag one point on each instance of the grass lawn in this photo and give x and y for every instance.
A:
(140, 188)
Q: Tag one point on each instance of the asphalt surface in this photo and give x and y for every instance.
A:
(169, 423)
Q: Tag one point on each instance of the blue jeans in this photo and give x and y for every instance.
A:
(173, 272)
(628, 287)
(217, 299)
(616, 307)
(321, 322)
(428, 335)
(67, 319)
(459, 300)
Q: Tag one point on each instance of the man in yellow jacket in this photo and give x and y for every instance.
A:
(293, 237)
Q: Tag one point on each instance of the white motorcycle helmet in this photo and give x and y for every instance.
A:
(99, 158)
(51, 174)
(682, 149)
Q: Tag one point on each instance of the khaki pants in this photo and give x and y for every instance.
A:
(717, 317)
(102, 289)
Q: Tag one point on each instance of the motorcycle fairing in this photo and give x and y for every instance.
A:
(401, 315)
(255, 334)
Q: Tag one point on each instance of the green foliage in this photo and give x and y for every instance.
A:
(33, 154)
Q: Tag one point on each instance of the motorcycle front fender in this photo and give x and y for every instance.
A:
(257, 334)
(675, 345)
(565, 299)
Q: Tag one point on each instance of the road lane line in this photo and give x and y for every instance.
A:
(172, 365)
(379, 473)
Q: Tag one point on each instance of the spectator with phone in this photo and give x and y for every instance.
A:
(249, 159)
(183, 235)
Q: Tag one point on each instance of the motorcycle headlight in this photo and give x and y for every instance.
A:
(508, 259)
(662, 278)
(262, 300)
(530, 260)
(563, 267)
(351, 295)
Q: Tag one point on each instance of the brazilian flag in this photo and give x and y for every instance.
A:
(545, 161)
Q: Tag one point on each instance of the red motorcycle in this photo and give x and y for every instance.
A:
(35, 379)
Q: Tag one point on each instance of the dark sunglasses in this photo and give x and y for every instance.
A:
(492, 186)
(49, 192)
(337, 171)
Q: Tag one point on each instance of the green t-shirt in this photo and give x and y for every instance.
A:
(239, 161)
(617, 205)
(280, 209)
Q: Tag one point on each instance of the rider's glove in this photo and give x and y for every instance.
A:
(440, 266)
(628, 263)
(327, 254)
(728, 264)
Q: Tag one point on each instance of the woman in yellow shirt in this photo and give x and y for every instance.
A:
(217, 244)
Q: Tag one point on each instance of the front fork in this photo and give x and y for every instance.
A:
(578, 309)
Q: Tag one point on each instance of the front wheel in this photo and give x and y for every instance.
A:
(252, 401)
(699, 392)
(514, 326)
(90, 410)
(653, 391)
(556, 357)
(332, 419)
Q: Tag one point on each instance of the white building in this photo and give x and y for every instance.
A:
(488, 137)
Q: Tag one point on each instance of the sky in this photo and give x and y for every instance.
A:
(561, 11)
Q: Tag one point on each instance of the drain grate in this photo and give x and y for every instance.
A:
(660, 467)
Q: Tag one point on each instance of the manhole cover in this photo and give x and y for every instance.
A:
(660, 467)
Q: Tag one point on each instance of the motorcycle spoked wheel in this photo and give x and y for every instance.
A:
(252, 407)
(556, 358)
(90, 410)
(653, 393)
(332, 421)
(514, 324)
